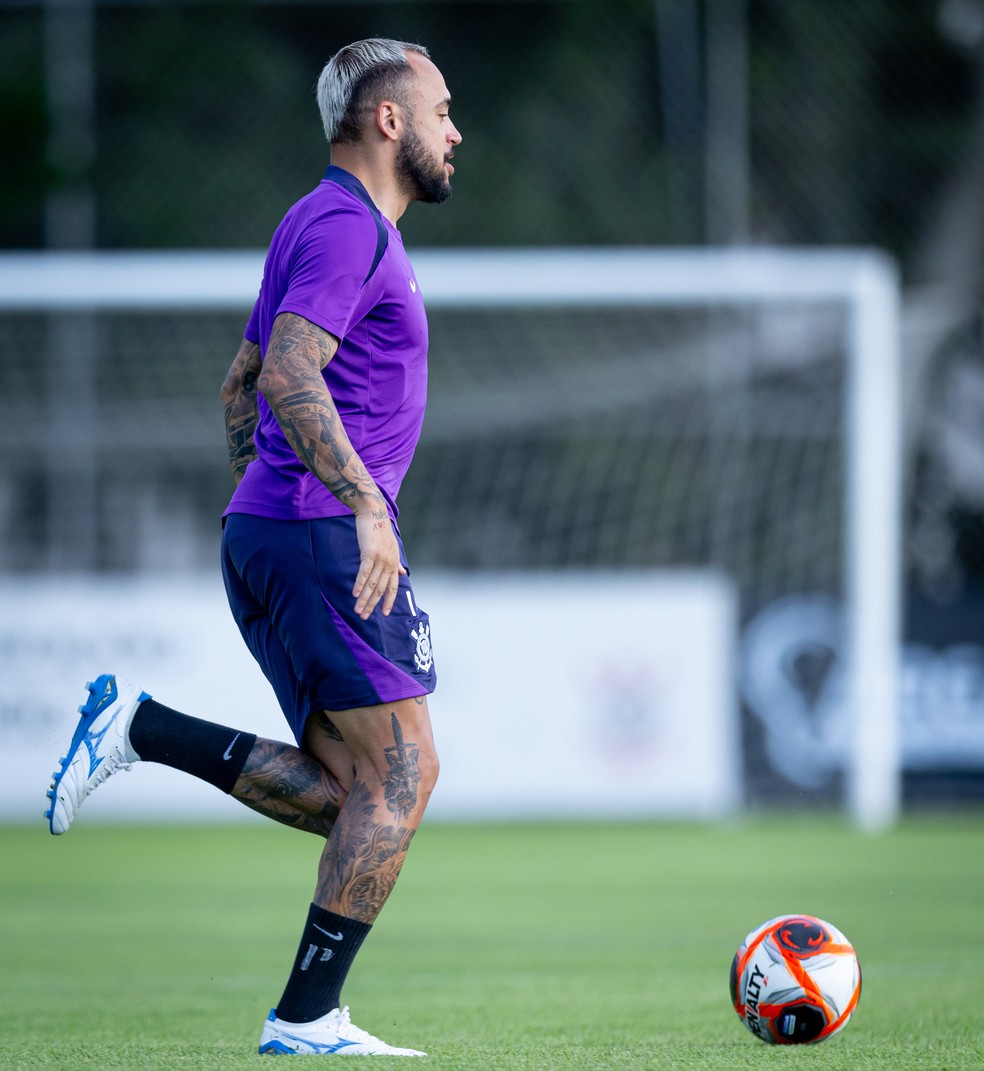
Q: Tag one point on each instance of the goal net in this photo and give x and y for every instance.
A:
(729, 410)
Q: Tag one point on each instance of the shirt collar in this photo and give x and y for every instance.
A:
(349, 182)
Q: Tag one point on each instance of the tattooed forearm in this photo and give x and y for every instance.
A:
(283, 783)
(239, 399)
(292, 383)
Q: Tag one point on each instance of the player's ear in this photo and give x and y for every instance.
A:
(390, 119)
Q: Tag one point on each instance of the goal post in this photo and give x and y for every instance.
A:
(867, 282)
(874, 579)
(592, 286)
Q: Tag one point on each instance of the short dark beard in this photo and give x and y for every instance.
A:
(419, 178)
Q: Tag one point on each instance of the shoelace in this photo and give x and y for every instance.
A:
(109, 766)
(352, 1031)
(112, 761)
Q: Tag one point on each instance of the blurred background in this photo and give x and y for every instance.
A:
(632, 441)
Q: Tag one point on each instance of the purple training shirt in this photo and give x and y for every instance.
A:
(336, 261)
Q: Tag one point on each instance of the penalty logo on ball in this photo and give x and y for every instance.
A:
(795, 980)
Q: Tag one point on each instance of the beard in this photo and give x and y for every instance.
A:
(421, 177)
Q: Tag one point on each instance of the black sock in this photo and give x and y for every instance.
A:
(327, 948)
(201, 748)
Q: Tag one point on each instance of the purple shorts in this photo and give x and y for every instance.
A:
(290, 589)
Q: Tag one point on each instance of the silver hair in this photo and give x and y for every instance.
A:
(342, 99)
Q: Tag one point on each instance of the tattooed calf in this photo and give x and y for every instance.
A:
(281, 782)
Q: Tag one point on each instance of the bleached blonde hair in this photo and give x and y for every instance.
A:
(357, 78)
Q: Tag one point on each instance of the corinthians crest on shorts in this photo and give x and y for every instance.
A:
(418, 637)
(423, 656)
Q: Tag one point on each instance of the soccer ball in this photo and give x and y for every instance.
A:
(795, 980)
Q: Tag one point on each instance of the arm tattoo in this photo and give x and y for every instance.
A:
(292, 334)
(239, 397)
(293, 385)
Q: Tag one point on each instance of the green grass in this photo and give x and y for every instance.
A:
(504, 947)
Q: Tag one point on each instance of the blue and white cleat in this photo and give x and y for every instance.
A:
(331, 1035)
(100, 747)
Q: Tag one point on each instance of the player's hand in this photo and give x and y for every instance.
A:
(380, 568)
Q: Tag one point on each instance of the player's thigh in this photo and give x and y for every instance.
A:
(301, 575)
(323, 740)
(386, 742)
(263, 641)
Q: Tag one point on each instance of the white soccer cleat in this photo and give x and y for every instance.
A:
(331, 1035)
(100, 747)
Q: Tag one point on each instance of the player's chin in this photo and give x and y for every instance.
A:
(436, 193)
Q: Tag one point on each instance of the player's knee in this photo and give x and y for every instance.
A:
(427, 769)
(415, 768)
(429, 766)
(421, 766)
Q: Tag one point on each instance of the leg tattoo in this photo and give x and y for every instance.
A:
(362, 859)
(327, 725)
(404, 774)
(367, 849)
(283, 783)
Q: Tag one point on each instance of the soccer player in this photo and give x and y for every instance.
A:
(324, 403)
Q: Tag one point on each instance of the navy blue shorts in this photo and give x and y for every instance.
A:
(290, 589)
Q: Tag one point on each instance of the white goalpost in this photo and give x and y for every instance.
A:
(719, 340)
(866, 282)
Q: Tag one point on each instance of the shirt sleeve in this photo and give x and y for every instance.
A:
(252, 332)
(331, 260)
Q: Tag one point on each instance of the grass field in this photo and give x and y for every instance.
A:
(504, 947)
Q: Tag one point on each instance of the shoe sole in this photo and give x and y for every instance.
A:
(278, 1048)
(291, 1045)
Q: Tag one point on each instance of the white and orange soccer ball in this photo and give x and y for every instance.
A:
(795, 980)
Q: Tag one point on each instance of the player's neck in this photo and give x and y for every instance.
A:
(378, 177)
